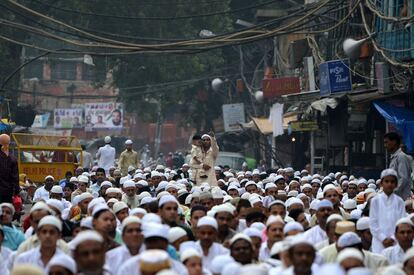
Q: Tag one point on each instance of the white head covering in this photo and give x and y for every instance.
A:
(155, 230)
(362, 224)
(189, 253)
(166, 199)
(219, 262)
(129, 220)
(348, 239)
(349, 253)
(87, 222)
(64, 261)
(56, 189)
(50, 220)
(207, 221)
(291, 226)
(83, 236)
(388, 172)
(176, 233)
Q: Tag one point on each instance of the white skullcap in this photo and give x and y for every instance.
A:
(56, 204)
(292, 226)
(107, 139)
(350, 253)
(240, 236)
(155, 230)
(128, 142)
(84, 195)
(207, 221)
(147, 200)
(64, 261)
(252, 232)
(231, 269)
(348, 239)
(293, 193)
(95, 202)
(143, 195)
(73, 179)
(129, 183)
(129, 220)
(155, 174)
(99, 208)
(314, 205)
(334, 217)
(324, 203)
(318, 181)
(274, 219)
(292, 201)
(219, 262)
(138, 210)
(11, 207)
(171, 185)
(217, 193)
(306, 185)
(188, 199)
(151, 218)
(87, 222)
(176, 233)
(118, 206)
(392, 270)
(328, 187)
(276, 202)
(362, 224)
(250, 183)
(356, 214)
(83, 236)
(56, 189)
(49, 177)
(166, 199)
(258, 225)
(113, 200)
(50, 220)
(223, 208)
(389, 172)
(83, 179)
(409, 254)
(245, 196)
(112, 190)
(404, 220)
(254, 199)
(106, 183)
(189, 253)
(38, 206)
(161, 186)
(350, 204)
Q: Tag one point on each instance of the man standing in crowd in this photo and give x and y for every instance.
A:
(106, 155)
(9, 175)
(128, 158)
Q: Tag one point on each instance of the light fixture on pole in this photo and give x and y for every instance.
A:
(216, 84)
(258, 95)
(88, 60)
(206, 34)
(352, 47)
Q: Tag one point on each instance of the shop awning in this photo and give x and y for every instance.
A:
(260, 124)
(402, 118)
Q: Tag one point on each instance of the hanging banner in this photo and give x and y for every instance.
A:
(68, 118)
(233, 116)
(103, 115)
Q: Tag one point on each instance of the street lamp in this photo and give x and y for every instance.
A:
(352, 47)
(216, 84)
(258, 95)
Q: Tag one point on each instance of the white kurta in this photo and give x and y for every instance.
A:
(384, 213)
(394, 254)
(106, 157)
(5, 254)
(316, 235)
(216, 249)
(41, 194)
(130, 267)
(264, 252)
(33, 257)
(117, 256)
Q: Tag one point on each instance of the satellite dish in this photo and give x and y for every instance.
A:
(258, 95)
(216, 84)
(352, 47)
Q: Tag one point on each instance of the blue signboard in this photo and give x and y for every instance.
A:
(334, 77)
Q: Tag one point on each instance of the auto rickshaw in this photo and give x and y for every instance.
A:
(42, 155)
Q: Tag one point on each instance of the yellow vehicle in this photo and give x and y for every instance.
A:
(41, 155)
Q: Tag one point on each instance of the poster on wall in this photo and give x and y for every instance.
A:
(103, 115)
(68, 118)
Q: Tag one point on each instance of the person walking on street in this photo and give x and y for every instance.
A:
(106, 155)
(210, 152)
(9, 173)
(129, 157)
(401, 163)
(87, 159)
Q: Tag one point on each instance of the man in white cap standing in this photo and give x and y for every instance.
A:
(49, 232)
(106, 155)
(42, 193)
(129, 157)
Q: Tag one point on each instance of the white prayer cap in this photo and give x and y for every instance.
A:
(49, 177)
(143, 195)
(161, 186)
(276, 202)
(250, 183)
(86, 174)
(349, 253)
(344, 177)
(314, 205)
(56, 189)
(231, 269)
(129, 183)
(146, 200)
(107, 139)
(245, 196)
(328, 187)
(11, 207)
(362, 181)
(64, 261)
(316, 180)
(324, 203)
(240, 236)
(334, 217)
(38, 206)
(306, 185)
(350, 204)
(361, 271)
(219, 262)
(189, 253)
(331, 268)
(155, 174)
(254, 199)
(356, 214)
(85, 195)
(223, 208)
(270, 185)
(94, 202)
(128, 142)
(50, 220)
(73, 179)
(274, 219)
(56, 204)
(112, 190)
(292, 201)
(409, 254)
(207, 221)
(279, 177)
(155, 230)
(159, 167)
(106, 183)
(166, 199)
(118, 206)
(252, 232)
(389, 172)
(83, 179)
(138, 210)
(100, 208)
(348, 239)
(392, 270)
(362, 224)
(258, 225)
(129, 220)
(86, 222)
(112, 200)
(404, 220)
(176, 233)
(293, 193)
(291, 226)
(83, 236)
(257, 269)
(188, 199)
(151, 218)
